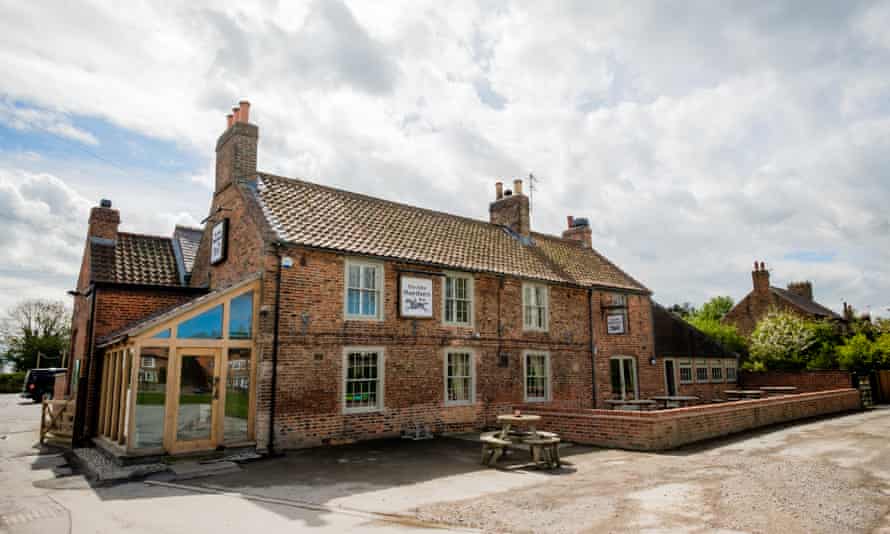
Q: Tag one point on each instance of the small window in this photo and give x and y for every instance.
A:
(241, 316)
(616, 314)
(207, 325)
(701, 371)
(730, 370)
(534, 306)
(458, 295)
(537, 376)
(716, 371)
(163, 334)
(148, 362)
(362, 380)
(459, 386)
(685, 371)
(363, 290)
(623, 373)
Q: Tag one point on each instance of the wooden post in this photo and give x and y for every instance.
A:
(42, 421)
(125, 378)
(115, 389)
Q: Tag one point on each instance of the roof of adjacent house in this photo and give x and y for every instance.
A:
(809, 306)
(134, 259)
(188, 239)
(314, 215)
(676, 337)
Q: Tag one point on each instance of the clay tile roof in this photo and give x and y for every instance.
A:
(134, 259)
(809, 306)
(319, 216)
(188, 239)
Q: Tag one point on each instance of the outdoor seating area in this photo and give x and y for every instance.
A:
(543, 446)
(667, 402)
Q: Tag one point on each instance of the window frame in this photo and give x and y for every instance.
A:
(143, 362)
(718, 367)
(381, 380)
(687, 363)
(534, 328)
(548, 384)
(636, 375)
(471, 293)
(459, 350)
(734, 365)
(379, 279)
(618, 306)
(697, 366)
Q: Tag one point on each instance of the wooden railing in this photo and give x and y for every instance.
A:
(56, 419)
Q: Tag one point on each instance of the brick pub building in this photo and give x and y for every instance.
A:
(304, 315)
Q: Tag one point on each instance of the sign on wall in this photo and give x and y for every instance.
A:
(615, 323)
(416, 297)
(219, 241)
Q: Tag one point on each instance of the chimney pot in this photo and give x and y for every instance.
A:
(230, 118)
(570, 221)
(244, 106)
(517, 186)
(498, 190)
(236, 113)
(105, 203)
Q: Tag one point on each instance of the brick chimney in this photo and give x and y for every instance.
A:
(578, 229)
(804, 289)
(510, 209)
(236, 148)
(104, 221)
(761, 278)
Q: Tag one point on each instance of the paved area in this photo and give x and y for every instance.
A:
(38, 495)
(830, 475)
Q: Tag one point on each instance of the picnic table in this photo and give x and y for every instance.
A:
(632, 405)
(544, 446)
(739, 394)
(774, 391)
(676, 401)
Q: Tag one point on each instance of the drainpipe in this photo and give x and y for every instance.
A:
(275, 350)
(592, 344)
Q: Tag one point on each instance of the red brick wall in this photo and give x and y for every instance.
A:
(309, 392)
(668, 429)
(804, 381)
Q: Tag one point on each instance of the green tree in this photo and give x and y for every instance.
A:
(715, 309)
(726, 334)
(858, 353)
(34, 327)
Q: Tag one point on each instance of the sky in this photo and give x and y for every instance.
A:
(697, 137)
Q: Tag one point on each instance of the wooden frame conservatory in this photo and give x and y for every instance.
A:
(184, 381)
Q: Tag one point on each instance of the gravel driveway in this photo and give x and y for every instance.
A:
(831, 475)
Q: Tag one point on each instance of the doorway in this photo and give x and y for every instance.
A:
(196, 410)
(670, 377)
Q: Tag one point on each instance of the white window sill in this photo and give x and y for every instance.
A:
(363, 318)
(359, 411)
(537, 399)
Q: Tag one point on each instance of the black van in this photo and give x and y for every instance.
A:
(39, 383)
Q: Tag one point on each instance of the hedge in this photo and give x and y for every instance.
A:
(12, 382)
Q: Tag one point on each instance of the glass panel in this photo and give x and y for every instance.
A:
(163, 334)
(237, 395)
(361, 380)
(354, 276)
(195, 398)
(352, 301)
(241, 316)
(208, 325)
(151, 394)
(370, 279)
(615, 373)
(449, 288)
(369, 303)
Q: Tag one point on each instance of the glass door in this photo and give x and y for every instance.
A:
(197, 400)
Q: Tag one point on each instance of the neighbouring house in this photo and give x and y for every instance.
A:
(303, 315)
(796, 298)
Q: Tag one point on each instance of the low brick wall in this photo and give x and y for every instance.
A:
(804, 381)
(668, 429)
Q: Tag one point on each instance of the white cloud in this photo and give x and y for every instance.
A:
(28, 118)
(697, 137)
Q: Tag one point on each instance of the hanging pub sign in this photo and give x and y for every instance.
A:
(615, 323)
(219, 242)
(416, 297)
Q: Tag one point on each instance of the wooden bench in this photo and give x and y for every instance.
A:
(544, 449)
(492, 447)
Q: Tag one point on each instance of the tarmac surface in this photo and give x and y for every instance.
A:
(827, 475)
